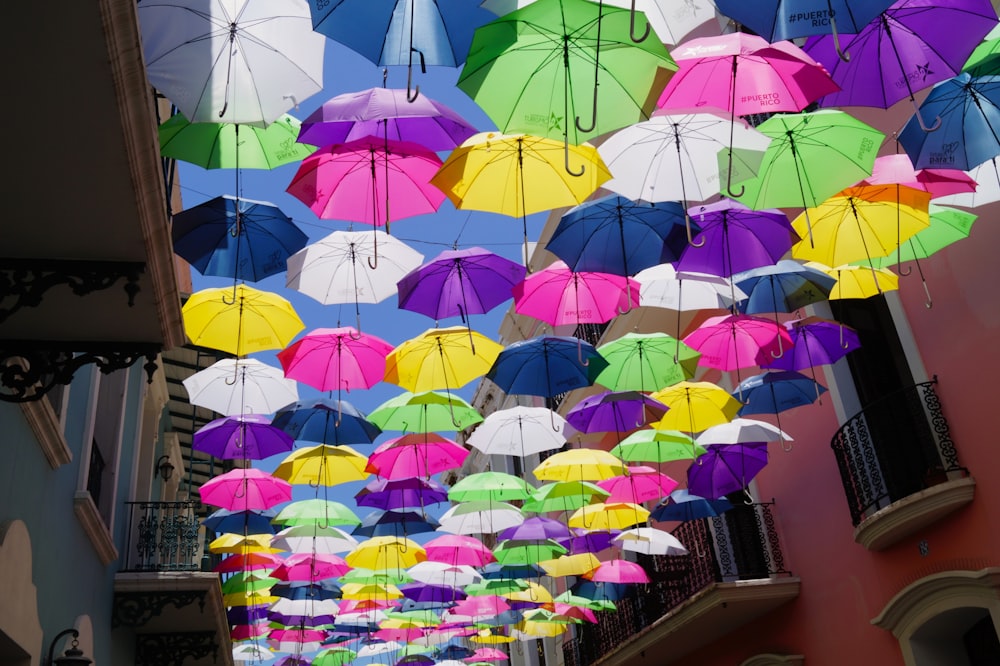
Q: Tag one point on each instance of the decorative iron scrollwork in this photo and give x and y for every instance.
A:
(174, 649)
(134, 609)
(29, 370)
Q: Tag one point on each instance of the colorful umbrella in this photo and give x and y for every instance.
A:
(684, 506)
(213, 145)
(421, 454)
(246, 437)
(987, 177)
(860, 281)
(240, 320)
(650, 541)
(245, 489)
(429, 411)
(480, 518)
(560, 296)
(395, 523)
(412, 492)
(646, 362)
(458, 549)
(487, 486)
(785, 286)
(695, 406)
(726, 468)
(338, 359)
(742, 431)
(310, 567)
(325, 421)
(239, 386)
(316, 512)
(608, 516)
(241, 522)
(546, 366)
(579, 465)
(440, 358)
(239, 543)
(563, 496)
(614, 412)
(663, 286)
(384, 553)
(657, 446)
(570, 565)
(519, 431)
(512, 552)
(313, 539)
(638, 485)
(785, 19)
(323, 465)
(236, 238)
(898, 170)
(733, 342)
(816, 342)
(774, 392)
(618, 571)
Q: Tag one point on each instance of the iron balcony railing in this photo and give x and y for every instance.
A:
(741, 544)
(894, 448)
(163, 536)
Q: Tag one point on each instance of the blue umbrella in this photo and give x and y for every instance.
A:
(326, 421)
(426, 593)
(395, 524)
(299, 590)
(783, 287)
(616, 235)
(684, 506)
(236, 238)
(600, 590)
(969, 109)
(546, 366)
(235, 522)
(497, 571)
(453, 650)
(777, 391)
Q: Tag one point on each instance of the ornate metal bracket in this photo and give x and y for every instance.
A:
(25, 281)
(134, 609)
(29, 370)
(174, 649)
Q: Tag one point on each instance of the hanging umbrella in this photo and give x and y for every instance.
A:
(412, 492)
(668, 22)
(570, 565)
(440, 358)
(214, 145)
(539, 67)
(695, 406)
(233, 61)
(310, 567)
(421, 454)
(898, 170)
(487, 486)
(239, 386)
(240, 320)
(323, 465)
(313, 539)
(909, 46)
(245, 489)
(385, 553)
(246, 437)
(734, 238)
(395, 523)
(987, 178)
(657, 446)
(785, 286)
(616, 235)
(336, 358)
(640, 484)
(325, 421)
(563, 496)
(587, 541)
(334, 656)
(457, 549)
(650, 541)
(248, 522)
(726, 468)
(773, 392)
(614, 411)
(733, 342)
(859, 281)
(316, 512)
(742, 431)
(608, 516)
(457, 283)
(579, 465)
(546, 366)
(428, 411)
(663, 286)
(513, 552)
(252, 652)
(437, 573)
(645, 362)
(480, 518)
(237, 238)
(385, 113)
(816, 342)
(239, 543)
(519, 431)
(684, 506)
(560, 296)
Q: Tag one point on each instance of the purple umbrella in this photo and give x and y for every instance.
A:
(422, 592)
(734, 239)
(401, 493)
(247, 437)
(910, 46)
(538, 528)
(726, 468)
(246, 614)
(815, 342)
(457, 283)
(382, 112)
(583, 541)
(620, 411)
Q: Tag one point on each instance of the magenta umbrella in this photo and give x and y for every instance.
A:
(456, 549)
(245, 490)
(898, 169)
(731, 342)
(639, 485)
(310, 567)
(618, 571)
(417, 454)
(336, 359)
(558, 296)
(487, 654)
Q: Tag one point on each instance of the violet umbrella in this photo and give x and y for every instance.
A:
(816, 341)
(246, 437)
(585, 541)
(615, 412)
(245, 489)
(338, 359)
(537, 528)
(726, 468)
(409, 492)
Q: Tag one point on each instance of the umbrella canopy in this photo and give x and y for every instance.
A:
(618, 571)
(785, 286)
(214, 145)
(323, 465)
(440, 358)
(413, 455)
(816, 341)
(239, 386)
(247, 437)
(773, 392)
(395, 523)
(650, 541)
(519, 431)
(325, 421)
(234, 61)
(480, 517)
(614, 411)
(684, 506)
(663, 286)
(249, 522)
(237, 238)
(657, 446)
(741, 431)
(646, 362)
(640, 484)
(563, 496)
(386, 552)
(570, 565)
(726, 468)
(316, 512)
(245, 489)
(947, 226)
(457, 549)
(410, 492)
(695, 406)
(486, 486)
(560, 296)
(310, 567)
(732, 342)
(546, 366)
(579, 465)
(513, 552)
(339, 358)
(313, 538)
(427, 411)
(786, 19)
(898, 170)
(608, 516)
(860, 281)
(240, 320)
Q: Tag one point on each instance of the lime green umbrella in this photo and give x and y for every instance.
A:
(646, 362)
(564, 69)
(429, 411)
(486, 486)
(335, 656)
(325, 513)
(563, 496)
(571, 599)
(497, 586)
(214, 145)
(373, 577)
(657, 446)
(527, 551)
(247, 581)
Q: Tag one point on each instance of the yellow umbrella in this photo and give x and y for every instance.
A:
(486, 637)
(861, 223)
(544, 624)
(571, 565)
(534, 593)
(323, 465)
(369, 591)
(259, 597)
(238, 543)
(240, 320)
(580, 465)
(386, 552)
(441, 358)
(519, 174)
(695, 406)
(612, 516)
(859, 281)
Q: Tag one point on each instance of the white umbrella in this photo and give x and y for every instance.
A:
(232, 61)
(314, 539)
(742, 431)
(650, 541)
(241, 386)
(308, 606)
(987, 177)
(669, 19)
(252, 652)
(375, 649)
(662, 286)
(439, 573)
(480, 518)
(519, 431)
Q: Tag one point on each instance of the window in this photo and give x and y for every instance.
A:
(105, 441)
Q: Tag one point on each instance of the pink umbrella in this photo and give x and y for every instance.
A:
(245, 490)
(488, 654)
(457, 549)
(247, 562)
(558, 296)
(310, 567)
(639, 485)
(732, 342)
(618, 571)
(401, 635)
(415, 455)
(575, 612)
(898, 169)
(477, 606)
(336, 359)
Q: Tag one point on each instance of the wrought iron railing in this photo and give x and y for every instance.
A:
(163, 536)
(894, 448)
(591, 333)
(742, 544)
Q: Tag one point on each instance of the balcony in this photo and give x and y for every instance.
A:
(735, 573)
(899, 466)
(167, 605)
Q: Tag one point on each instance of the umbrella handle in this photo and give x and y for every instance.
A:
(579, 353)
(930, 301)
(552, 421)
(781, 348)
(843, 343)
(566, 160)
(593, 117)
(687, 226)
(631, 27)
(844, 55)
(748, 501)
(628, 291)
(371, 265)
(227, 301)
(360, 335)
(920, 119)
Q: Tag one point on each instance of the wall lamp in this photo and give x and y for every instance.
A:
(71, 657)
(165, 468)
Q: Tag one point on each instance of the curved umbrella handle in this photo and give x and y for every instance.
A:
(231, 302)
(593, 117)
(687, 226)
(929, 303)
(579, 353)
(781, 348)
(552, 421)
(631, 27)
(357, 321)
(920, 119)
(628, 304)
(844, 55)
(371, 265)
(566, 158)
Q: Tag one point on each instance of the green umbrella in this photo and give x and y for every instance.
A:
(247, 581)
(563, 496)
(322, 512)
(376, 577)
(487, 486)
(646, 362)
(335, 656)
(538, 70)
(497, 586)
(213, 145)
(571, 599)
(527, 551)
(657, 446)
(424, 616)
(430, 411)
